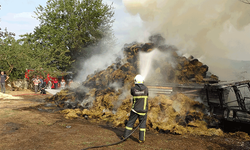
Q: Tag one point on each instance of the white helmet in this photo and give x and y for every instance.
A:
(138, 79)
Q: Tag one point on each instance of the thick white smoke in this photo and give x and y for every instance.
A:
(107, 54)
(125, 30)
(211, 30)
(150, 61)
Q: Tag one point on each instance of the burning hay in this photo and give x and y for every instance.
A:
(180, 115)
(240, 135)
(105, 96)
(177, 114)
(71, 113)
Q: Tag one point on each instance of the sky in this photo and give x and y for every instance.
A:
(18, 17)
(129, 26)
(207, 29)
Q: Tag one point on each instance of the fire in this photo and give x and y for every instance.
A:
(104, 96)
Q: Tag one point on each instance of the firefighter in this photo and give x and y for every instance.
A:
(139, 108)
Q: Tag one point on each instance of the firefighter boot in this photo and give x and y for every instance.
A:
(141, 141)
(142, 133)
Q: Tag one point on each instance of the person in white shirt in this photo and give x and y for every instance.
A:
(36, 81)
(63, 84)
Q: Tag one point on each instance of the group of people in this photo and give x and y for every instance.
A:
(40, 84)
(56, 84)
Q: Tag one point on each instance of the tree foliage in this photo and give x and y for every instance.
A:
(18, 55)
(67, 27)
(12, 56)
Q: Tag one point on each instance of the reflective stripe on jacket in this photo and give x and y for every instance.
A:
(140, 99)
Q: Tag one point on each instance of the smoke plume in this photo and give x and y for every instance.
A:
(210, 30)
(103, 55)
(151, 62)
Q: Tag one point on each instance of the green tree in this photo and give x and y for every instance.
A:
(67, 27)
(11, 53)
(17, 55)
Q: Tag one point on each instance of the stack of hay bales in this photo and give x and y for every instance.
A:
(105, 95)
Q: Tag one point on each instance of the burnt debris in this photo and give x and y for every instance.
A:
(105, 96)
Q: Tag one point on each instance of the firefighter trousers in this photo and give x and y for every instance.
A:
(130, 124)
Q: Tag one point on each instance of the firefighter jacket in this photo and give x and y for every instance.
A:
(140, 99)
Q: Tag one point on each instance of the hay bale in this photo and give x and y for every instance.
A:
(165, 113)
(71, 113)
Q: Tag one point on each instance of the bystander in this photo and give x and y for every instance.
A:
(56, 84)
(3, 78)
(36, 81)
(63, 84)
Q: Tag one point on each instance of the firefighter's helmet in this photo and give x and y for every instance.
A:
(138, 79)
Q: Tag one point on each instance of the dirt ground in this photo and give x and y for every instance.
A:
(30, 124)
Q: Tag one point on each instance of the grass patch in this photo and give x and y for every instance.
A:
(27, 121)
(63, 124)
(49, 124)
(40, 123)
(8, 113)
(146, 147)
(88, 143)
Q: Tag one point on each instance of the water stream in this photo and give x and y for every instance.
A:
(146, 60)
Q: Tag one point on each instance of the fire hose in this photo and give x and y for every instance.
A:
(118, 141)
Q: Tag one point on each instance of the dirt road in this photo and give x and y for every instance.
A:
(26, 124)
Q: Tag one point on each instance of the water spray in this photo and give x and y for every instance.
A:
(146, 60)
(150, 61)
